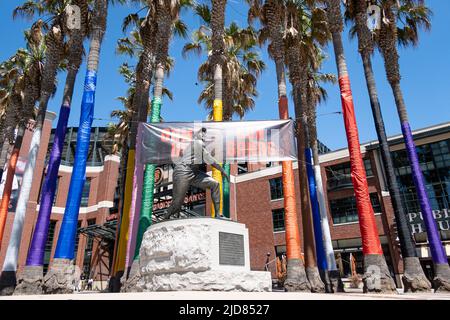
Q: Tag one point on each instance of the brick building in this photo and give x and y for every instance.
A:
(98, 202)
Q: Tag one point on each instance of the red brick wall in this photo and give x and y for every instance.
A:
(255, 211)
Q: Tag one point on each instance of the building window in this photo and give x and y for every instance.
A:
(345, 211)
(85, 193)
(100, 145)
(49, 244)
(368, 167)
(339, 176)
(242, 168)
(434, 159)
(276, 188)
(278, 220)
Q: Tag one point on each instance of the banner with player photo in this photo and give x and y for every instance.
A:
(226, 142)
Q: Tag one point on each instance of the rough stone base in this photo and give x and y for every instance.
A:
(129, 285)
(312, 273)
(414, 279)
(62, 277)
(441, 279)
(325, 276)
(211, 280)
(29, 282)
(336, 281)
(296, 277)
(377, 278)
(7, 283)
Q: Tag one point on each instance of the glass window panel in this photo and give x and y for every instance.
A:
(435, 167)
(344, 210)
(276, 188)
(85, 193)
(278, 220)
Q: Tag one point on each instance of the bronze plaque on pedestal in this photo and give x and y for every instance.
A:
(231, 249)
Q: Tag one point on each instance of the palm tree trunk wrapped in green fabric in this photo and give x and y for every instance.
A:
(167, 12)
(146, 206)
(146, 211)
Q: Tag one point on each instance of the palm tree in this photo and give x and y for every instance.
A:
(120, 132)
(141, 43)
(12, 82)
(315, 94)
(413, 278)
(307, 31)
(229, 86)
(20, 98)
(66, 240)
(32, 275)
(117, 131)
(389, 36)
(271, 15)
(241, 67)
(297, 46)
(217, 59)
(54, 42)
(374, 261)
(9, 97)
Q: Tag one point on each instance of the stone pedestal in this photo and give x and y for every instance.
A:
(62, 278)
(201, 254)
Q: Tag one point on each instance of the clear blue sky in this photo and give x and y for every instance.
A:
(424, 70)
